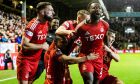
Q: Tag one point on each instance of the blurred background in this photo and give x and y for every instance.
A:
(122, 15)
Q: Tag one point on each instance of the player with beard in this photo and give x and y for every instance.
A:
(54, 24)
(33, 42)
(109, 53)
(57, 60)
(92, 38)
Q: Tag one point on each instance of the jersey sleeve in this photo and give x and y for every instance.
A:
(28, 33)
(58, 54)
(30, 28)
(67, 24)
(106, 26)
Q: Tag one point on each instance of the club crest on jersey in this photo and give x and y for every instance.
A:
(40, 32)
(102, 29)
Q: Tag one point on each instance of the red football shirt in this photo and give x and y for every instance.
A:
(36, 32)
(92, 36)
(70, 24)
(55, 68)
(106, 61)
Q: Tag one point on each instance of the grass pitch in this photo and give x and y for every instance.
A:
(128, 70)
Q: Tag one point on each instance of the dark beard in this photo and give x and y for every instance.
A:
(47, 18)
(94, 17)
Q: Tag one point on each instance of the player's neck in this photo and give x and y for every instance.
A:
(94, 21)
(41, 19)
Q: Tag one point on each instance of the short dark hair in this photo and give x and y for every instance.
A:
(88, 6)
(60, 37)
(42, 5)
(56, 17)
(110, 31)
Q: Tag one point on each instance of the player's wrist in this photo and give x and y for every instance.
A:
(87, 57)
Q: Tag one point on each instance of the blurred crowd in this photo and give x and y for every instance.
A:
(10, 28)
(123, 39)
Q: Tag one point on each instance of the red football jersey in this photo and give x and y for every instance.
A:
(70, 24)
(55, 68)
(36, 32)
(92, 36)
(106, 61)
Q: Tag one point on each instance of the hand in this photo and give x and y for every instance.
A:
(87, 18)
(92, 56)
(45, 46)
(71, 33)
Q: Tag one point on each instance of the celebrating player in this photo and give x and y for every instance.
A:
(109, 54)
(54, 24)
(33, 43)
(67, 28)
(57, 60)
(92, 36)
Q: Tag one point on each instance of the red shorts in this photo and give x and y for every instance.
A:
(111, 80)
(26, 69)
(94, 66)
(104, 75)
(53, 81)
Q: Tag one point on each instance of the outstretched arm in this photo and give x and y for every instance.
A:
(114, 55)
(62, 31)
(69, 59)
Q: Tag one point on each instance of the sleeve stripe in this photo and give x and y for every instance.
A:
(33, 26)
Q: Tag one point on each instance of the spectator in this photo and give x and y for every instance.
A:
(7, 59)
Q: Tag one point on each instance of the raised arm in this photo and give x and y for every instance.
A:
(68, 59)
(114, 55)
(62, 31)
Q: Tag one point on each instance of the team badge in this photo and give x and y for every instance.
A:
(40, 32)
(102, 29)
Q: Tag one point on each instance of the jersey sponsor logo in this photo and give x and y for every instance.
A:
(29, 33)
(94, 37)
(87, 33)
(102, 29)
(41, 37)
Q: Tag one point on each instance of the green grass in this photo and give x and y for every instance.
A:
(128, 70)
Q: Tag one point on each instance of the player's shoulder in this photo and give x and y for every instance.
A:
(69, 22)
(32, 24)
(105, 23)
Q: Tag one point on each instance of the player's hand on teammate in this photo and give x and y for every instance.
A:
(92, 56)
(45, 46)
(71, 33)
(87, 19)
